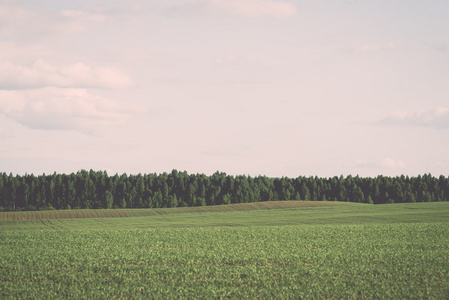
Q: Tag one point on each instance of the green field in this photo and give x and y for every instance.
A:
(338, 251)
(120, 213)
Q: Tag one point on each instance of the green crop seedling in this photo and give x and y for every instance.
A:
(348, 251)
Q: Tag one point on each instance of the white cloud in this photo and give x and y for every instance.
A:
(388, 162)
(19, 23)
(443, 46)
(83, 16)
(244, 8)
(13, 19)
(252, 8)
(63, 109)
(42, 74)
(79, 21)
(227, 60)
(234, 152)
(382, 163)
(374, 48)
(435, 118)
(369, 48)
(10, 51)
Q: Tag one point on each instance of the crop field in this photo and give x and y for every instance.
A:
(249, 214)
(358, 251)
(114, 213)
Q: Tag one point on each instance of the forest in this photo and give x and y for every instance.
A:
(96, 189)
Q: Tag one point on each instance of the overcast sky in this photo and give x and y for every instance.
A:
(257, 87)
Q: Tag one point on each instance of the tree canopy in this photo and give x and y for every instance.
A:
(96, 189)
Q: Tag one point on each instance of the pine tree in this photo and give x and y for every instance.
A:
(297, 196)
(157, 200)
(227, 199)
(109, 200)
(388, 200)
(123, 203)
(172, 201)
(305, 193)
(200, 201)
(71, 195)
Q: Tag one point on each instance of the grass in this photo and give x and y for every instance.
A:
(347, 251)
(250, 214)
(115, 213)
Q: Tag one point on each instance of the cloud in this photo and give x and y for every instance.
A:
(21, 23)
(369, 48)
(83, 16)
(226, 60)
(63, 109)
(43, 74)
(252, 8)
(388, 162)
(383, 163)
(442, 46)
(244, 8)
(375, 48)
(41, 94)
(238, 152)
(437, 118)
(79, 21)
(10, 51)
(13, 20)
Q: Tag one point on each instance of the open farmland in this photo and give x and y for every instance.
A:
(345, 251)
(248, 214)
(114, 213)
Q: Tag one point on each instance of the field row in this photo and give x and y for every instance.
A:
(116, 213)
(351, 213)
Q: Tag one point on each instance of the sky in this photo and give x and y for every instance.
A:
(257, 87)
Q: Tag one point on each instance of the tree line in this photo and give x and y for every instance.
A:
(96, 189)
